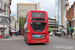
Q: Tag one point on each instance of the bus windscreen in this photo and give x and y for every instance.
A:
(38, 26)
(38, 14)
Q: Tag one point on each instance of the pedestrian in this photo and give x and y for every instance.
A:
(10, 33)
(67, 33)
(16, 33)
(71, 33)
(63, 33)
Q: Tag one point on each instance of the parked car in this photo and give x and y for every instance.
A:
(19, 33)
(58, 34)
(51, 34)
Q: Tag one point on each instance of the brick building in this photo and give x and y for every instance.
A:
(71, 16)
(66, 5)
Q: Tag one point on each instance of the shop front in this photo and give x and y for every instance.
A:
(3, 31)
(4, 25)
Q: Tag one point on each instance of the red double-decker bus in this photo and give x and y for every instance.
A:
(36, 27)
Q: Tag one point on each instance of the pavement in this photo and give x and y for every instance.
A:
(55, 43)
(69, 37)
(12, 38)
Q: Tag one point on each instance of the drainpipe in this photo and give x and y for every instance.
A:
(74, 19)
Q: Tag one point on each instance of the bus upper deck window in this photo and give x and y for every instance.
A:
(38, 14)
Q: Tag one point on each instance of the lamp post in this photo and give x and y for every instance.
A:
(74, 19)
(20, 21)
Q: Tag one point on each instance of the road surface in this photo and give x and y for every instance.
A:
(55, 43)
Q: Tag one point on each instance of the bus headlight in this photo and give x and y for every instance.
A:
(45, 18)
(30, 18)
(47, 36)
(29, 37)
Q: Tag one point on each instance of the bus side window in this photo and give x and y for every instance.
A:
(25, 31)
(26, 17)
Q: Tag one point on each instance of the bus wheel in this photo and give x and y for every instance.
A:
(26, 40)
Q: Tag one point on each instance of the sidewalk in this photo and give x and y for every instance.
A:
(69, 37)
(12, 38)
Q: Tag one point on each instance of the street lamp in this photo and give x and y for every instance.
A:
(74, 19)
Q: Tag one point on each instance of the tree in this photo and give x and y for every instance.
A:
(21, 22)
(50, 30)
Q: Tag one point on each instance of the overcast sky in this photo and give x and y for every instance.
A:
(46, 5)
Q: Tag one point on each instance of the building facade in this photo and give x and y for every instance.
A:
(53, 24)
(4, 17)
(12, 24)
(23, 8)
(66, 6)
(60, 13)
(71, 16)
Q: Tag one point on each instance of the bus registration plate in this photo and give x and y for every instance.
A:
(38, 41)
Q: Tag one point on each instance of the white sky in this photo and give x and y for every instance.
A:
(46, 5)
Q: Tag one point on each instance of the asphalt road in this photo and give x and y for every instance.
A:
(55, 43)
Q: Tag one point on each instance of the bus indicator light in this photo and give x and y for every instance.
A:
(28, 30)
(45, 18)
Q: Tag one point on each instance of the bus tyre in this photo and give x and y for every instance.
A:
(26, 41)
